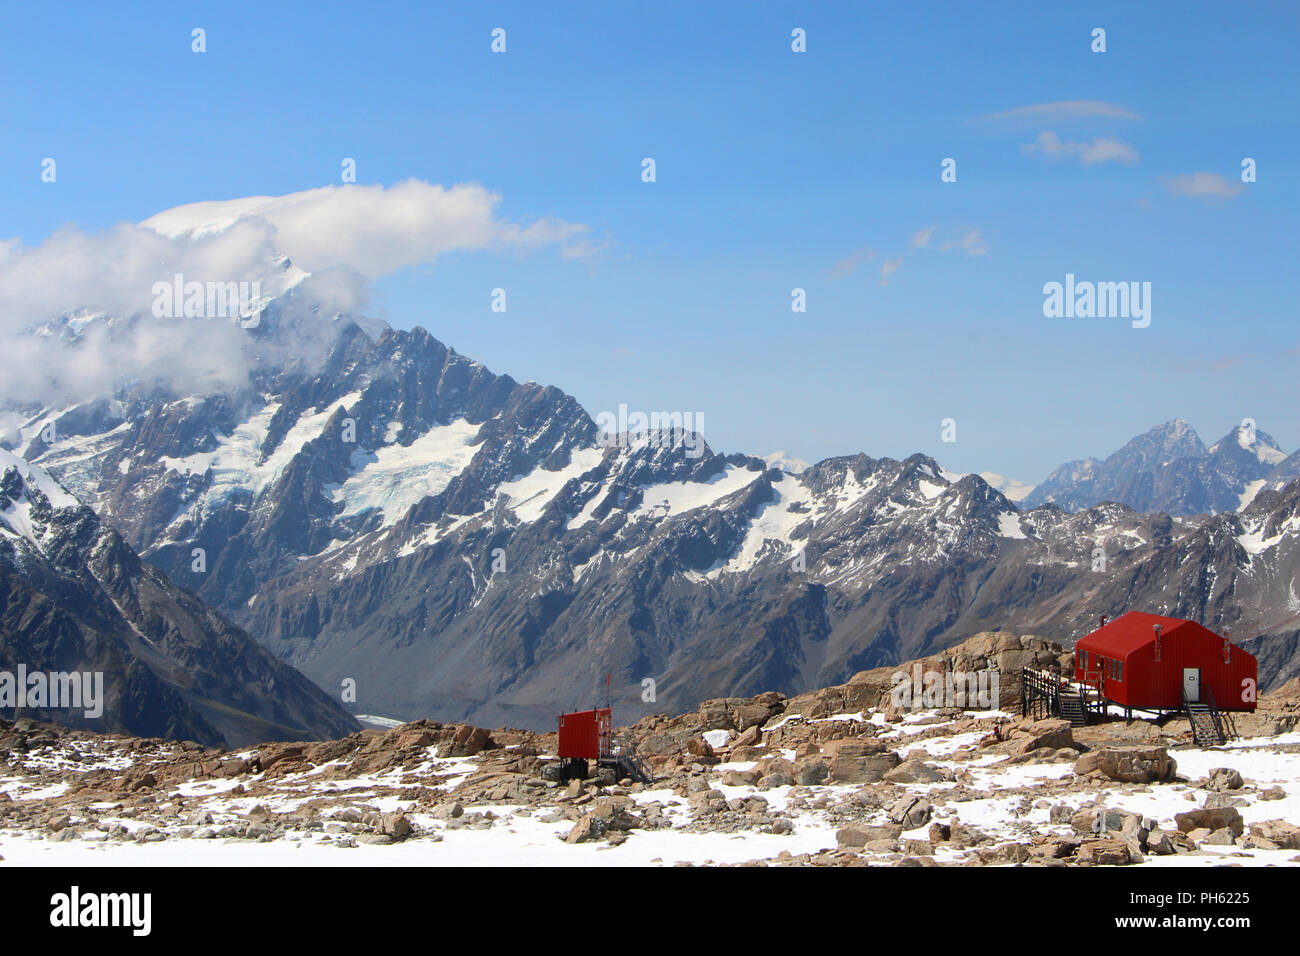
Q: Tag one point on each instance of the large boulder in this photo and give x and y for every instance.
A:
(589, 828)
(1056, 734)
(1104, 820)
(1160, 843)
(915, 771)
(811, 772)
(1129, 764)
(700, 749)
(859, 835)
(616, 813)
(1282, 835)
(1223, 778)
(1211, 818)
(468, 741)
(868, 768)
(1105, 853)
(707, 801)
(910, 812)
(395, 825)
(740, 713)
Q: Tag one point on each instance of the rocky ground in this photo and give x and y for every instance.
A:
(835, 777)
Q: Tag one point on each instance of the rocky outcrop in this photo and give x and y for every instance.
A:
(1129, 764)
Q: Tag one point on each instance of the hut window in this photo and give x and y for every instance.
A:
(1119, 671)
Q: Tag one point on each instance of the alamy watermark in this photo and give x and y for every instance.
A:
(62, 690)
(923, 690)
(75, 909)
(208, 300)
(664, 429)
(1098, 300)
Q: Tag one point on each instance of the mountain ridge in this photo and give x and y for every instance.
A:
(75, 598)
(466, 547)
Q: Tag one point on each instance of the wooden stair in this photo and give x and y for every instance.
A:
(1047, 694)
(1070, 706)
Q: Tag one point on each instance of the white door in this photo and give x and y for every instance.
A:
(1192, 683)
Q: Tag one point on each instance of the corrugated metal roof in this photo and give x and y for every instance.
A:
(1128, 632)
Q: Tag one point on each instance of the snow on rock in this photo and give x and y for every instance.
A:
(1009, 525)
(529, 495)
(238, 462)
(394, 477)
(677, 497)
(427, 794)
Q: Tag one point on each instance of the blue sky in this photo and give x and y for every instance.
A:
(775, 170)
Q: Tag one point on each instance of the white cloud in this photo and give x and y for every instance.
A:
(1063, 109)
(343, 236)
(373, 229)
(1202, 185)
(1100, 150)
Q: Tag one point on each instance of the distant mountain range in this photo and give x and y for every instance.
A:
(388, 515)
(464, 546)
(1169, 469)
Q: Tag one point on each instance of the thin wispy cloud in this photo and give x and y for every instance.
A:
(970, 242)
(849, 264)
(965, 240)
(1102, 149)
(1214, 364)
(1205, 186)
(1063, 109)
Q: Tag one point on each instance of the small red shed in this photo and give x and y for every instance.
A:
(584, 735)
(1150, 662)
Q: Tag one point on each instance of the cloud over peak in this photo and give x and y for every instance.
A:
(325, 243)
(372, 229)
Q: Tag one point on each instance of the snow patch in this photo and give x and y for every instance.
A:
(392, 478)
(1009, 525)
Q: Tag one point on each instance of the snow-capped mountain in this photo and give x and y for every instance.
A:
(464, 546)
(1169, 469)
(75, 598)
